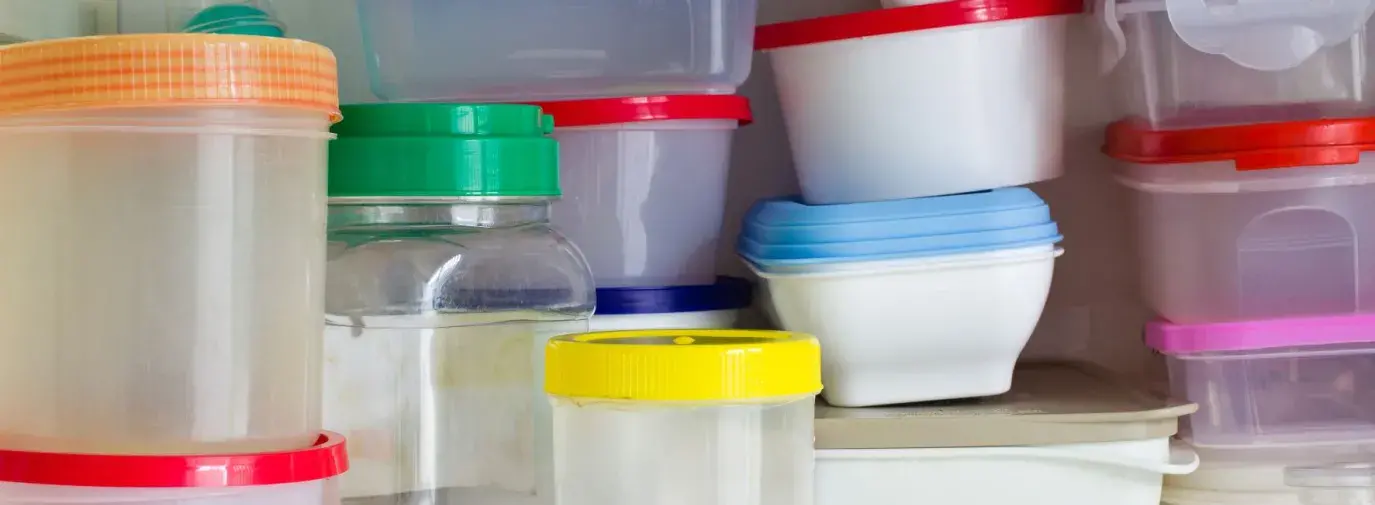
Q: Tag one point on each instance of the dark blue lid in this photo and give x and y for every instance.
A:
(729, 293)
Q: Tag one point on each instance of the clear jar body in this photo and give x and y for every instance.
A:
(636, 453)
(437, 316)
(163, 280)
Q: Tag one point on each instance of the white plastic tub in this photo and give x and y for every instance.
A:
(933, 99)
(1253, 222)
(675, 307)
(644, 184)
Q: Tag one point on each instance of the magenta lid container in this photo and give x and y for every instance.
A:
(1170, 338)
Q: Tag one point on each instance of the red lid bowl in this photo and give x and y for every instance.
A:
(605, 111)
(1253, 146)
(906, 19)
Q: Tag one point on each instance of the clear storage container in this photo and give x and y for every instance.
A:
(1253, 222)
(229, 17)
(165, 283)
(521, 50)
(644, 184)
(444, 282)
(1274, 383)
(708, 417)
(1192, 63)
(1335, 484)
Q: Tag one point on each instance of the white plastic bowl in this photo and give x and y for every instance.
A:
(923, 100)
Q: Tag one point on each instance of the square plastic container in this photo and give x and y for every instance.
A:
(1276, 383)
(516, 50)
(1190, 63)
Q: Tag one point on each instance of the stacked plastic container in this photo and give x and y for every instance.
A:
(163, 292)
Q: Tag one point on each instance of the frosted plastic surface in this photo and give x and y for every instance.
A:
(324, 492)
(511, 50)
(163, 280)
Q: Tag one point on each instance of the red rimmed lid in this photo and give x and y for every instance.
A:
(604, 111)
(1253, 147)
(906, 19)
(327, 458)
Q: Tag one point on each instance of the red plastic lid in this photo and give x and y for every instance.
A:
(906, 19)
(1253, 146)
(603, 111)
(327, 458)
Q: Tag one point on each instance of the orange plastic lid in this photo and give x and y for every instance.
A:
(1253, 146)
(159, 70)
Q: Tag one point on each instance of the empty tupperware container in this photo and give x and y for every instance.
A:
(924, 100)
(295, 477)
(480, 50)
(707, 306)
(1194, 63)
(979, 263)
(1253, 222)
(1274, 383)
(227, 17)
(27, 20)
(707, 417)
(644, 184)
(165, 289)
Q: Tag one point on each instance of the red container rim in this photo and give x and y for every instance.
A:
(1259, 146)
(633, 109)
(906, 19)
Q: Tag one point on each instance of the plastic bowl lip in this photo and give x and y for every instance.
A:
(1335, 476)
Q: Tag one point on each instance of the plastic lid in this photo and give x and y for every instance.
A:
(234, 19)
(786, 231)
(443, 150)
(1170, 338)
(683, 365)
(603, 111)
(906, 19)
(1050, 403)
(729, 293)
(1253, 146)
(327, 458)
(161, 70)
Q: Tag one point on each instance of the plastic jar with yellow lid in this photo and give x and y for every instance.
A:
(690, 417)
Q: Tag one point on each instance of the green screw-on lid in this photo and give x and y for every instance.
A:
(443, 150)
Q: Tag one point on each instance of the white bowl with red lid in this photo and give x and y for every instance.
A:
(644, 184)
(1253, 222)
(295, 477)
(923, 100)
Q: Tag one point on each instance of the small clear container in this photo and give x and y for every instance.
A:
(1336, 484)
(704, 417)
(445, 280)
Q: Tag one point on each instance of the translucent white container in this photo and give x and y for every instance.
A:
(296, 477)
(644, 184)
(1253, 222)
(708, 417)
(1276, 383)
(1336, 484)
(27, 20)
(1192, 63)
(521, 50)
(165, 284)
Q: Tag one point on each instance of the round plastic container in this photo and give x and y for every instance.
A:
(163, 288)
(725, 415)
(980, 263)
(925, 100)
(444, 282)
(1253, 222)
(25, 20)
(644, 184)
(510, 51)
(1189, 63)
(296, 477)
(228, 17)
(1336, 484)
(707, 306)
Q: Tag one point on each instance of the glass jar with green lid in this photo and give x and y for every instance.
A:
(444, 282)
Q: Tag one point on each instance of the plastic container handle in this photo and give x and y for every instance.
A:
(1183, 460)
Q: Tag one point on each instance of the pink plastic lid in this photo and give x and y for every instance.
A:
(1170, 338)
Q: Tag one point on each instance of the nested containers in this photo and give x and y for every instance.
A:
(644, 184)
(429, 50)
(980, 264)
(445, 279)
(302, 476)
(705, 306)
(1276, 383)
(166, 281)
(924, 100)
(711, 417)
(1253, 222)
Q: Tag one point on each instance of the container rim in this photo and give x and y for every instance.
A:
(906, 19)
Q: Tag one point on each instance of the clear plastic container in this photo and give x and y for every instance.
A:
(1275, 383)
(444, 282)
(234, 17)
(28, 20)
(1336, 484)
(706, 417)
(521, 50)
(164, 285)
(644, 184)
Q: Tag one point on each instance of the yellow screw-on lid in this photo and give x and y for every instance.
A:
(683, 365)
(160, 70)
